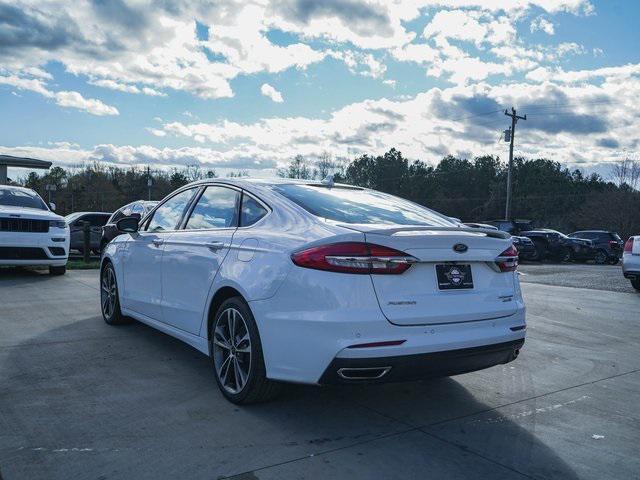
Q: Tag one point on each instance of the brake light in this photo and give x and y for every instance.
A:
(507, 261)
(628, 245)
(354, 257)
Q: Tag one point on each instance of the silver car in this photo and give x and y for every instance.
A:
(631, 261)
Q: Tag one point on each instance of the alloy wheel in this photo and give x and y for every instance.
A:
(108, 292)
(600, 257)
(232, 350)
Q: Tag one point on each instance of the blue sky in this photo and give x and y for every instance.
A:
(248, 85)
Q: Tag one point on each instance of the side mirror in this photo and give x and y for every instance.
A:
(52, 206)
(127, 224)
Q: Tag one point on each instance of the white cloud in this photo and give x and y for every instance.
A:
(269, 91)
(542, 24)
(62, 98)
(90, 105)
(440, 122)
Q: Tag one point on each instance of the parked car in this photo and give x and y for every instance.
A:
(608, 244)
(306, 282)
(631, 261)
(138, 209)
(554, 245)
(76, 226)
(525, 246)
(30, 233)
(514, 227)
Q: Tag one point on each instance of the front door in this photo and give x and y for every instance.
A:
(193, 256)
(142, 263)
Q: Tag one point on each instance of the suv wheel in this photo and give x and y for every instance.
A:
(57, 270)
(600, 257)
(236, 353)
(613, 260)
(635, 283)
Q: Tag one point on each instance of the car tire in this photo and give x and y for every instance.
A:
(600, 257)
(109, 299)
(236, 355)
(566, 255)
(635, 283)
(613, 260)
(57, 270)
(540, 253)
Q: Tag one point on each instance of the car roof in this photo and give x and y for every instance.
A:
(246, 182)
(592, 231)
(89, 213)
(16, 187)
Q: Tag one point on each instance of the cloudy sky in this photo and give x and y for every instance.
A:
(247, 84)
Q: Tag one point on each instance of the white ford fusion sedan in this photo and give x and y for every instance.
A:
(311, 282)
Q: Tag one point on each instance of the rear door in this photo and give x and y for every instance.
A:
(193, 255)
(455, 280)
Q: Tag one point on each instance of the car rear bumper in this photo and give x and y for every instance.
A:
(420, 366)
(631, 266)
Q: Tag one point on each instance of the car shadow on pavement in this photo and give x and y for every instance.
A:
(136, 398)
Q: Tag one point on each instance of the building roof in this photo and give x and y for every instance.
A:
(23, 162)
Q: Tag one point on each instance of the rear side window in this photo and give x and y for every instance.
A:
(216, 208)
(349, 205)
(251, 211)
(168, 215)
(96, 220)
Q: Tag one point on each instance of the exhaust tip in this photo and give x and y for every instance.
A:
(369, 373)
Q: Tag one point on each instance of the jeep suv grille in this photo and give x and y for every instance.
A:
(23, 225)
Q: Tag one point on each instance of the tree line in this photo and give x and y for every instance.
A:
(474, 190)
(470, 189)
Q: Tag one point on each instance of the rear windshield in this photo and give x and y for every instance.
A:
(350, 205)
(21, 198)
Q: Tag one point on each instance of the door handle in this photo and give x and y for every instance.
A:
(157, 242)
(215, 245)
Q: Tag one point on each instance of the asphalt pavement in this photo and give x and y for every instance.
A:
(82, 400)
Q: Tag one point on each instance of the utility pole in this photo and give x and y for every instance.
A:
(514, 120)
(149, 181)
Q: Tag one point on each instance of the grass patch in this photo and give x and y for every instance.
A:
(80, 265)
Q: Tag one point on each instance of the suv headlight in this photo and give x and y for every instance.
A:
(57, 224)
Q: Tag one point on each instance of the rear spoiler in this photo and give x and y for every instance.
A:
(410, 228)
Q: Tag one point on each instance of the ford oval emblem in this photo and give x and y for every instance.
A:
(460, 248)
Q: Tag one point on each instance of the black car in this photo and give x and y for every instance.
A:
(525, 246)
(76, 226)
(608, 244)
(514, 227)
(138, 209)
(554, 245)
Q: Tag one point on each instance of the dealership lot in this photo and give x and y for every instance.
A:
(80, 399)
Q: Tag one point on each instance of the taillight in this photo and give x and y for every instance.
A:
(354, 257)
(507, 261)
(628, 245)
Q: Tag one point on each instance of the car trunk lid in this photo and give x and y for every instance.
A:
(418, 297)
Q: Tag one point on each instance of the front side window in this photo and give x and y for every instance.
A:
(168, 215)
(351, 205)
(216, 208)
(11, 197)
(251, 211)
